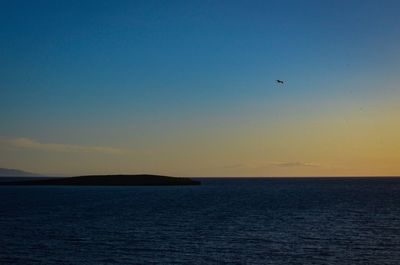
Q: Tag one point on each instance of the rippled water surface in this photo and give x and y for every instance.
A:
(244, 222)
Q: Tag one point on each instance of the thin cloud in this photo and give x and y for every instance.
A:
(294, 164)
(257, 165)
(235, 166)
(27, 143)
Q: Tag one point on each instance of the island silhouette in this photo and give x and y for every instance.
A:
(109, 180)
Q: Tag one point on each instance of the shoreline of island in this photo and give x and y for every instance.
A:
(108, 180)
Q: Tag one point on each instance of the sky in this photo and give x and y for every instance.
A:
(187, 88)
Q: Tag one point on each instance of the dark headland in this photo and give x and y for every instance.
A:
(110, 180)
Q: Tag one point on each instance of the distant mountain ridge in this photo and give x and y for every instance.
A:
(108, 180)
(7, 172)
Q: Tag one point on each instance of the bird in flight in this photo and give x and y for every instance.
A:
(279, 81)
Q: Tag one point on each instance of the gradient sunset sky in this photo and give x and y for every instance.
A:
(187, 88)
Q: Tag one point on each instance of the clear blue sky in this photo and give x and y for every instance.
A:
(138, 75)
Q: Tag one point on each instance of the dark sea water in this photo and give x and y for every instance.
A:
(308, 221)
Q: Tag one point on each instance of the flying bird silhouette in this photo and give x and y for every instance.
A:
(279, 81)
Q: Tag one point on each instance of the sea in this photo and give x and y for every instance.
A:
(223, 221)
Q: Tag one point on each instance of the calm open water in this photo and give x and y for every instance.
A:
(243, 222)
